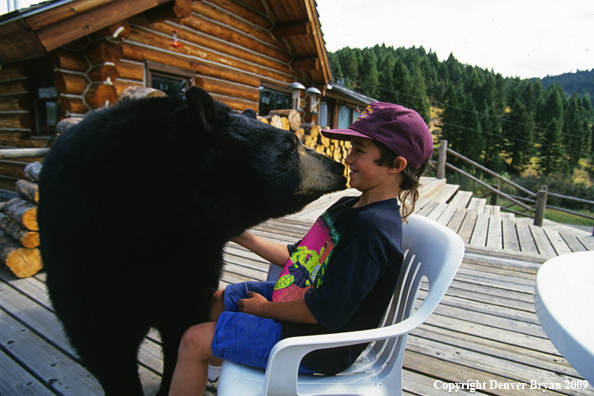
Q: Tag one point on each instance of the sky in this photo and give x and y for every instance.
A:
(517, 38)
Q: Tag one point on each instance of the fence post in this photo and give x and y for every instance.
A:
(541, 204)
(441, 164)
(493, 198)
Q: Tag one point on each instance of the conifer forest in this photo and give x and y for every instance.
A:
(503, 123)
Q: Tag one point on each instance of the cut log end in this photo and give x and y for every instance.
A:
(24, 262)
(30, 219)
(134, 93)
(23, 213)
(30, 240)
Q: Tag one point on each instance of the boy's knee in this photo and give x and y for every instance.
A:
(217, 304)
(197, 340)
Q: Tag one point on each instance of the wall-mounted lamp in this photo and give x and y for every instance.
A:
(295, 88)
(313, 93)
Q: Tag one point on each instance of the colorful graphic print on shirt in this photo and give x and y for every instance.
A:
(307, 265)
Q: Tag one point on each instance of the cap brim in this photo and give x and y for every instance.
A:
(342, 134)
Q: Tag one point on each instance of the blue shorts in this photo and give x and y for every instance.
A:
(243, 338)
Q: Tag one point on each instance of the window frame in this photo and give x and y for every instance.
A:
(35, 81)
(280, 90)
(158, 69)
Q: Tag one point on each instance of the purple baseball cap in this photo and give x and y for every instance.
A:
(402, 130)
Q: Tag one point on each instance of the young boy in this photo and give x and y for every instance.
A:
(342, 274)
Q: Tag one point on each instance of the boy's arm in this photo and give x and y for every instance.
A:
(275, 252)
(295, 311)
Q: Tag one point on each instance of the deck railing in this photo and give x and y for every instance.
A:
(534, 203)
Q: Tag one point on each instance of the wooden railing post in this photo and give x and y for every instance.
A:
(441, 164)
(541, 204)
(494, 196)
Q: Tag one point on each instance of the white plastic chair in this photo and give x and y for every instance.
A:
(432, 252)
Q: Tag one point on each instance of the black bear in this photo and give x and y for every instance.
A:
(137, 203)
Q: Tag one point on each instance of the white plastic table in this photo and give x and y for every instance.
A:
(564, 302)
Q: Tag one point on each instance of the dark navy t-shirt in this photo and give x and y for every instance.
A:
(359, 279)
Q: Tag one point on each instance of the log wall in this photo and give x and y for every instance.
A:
(227, 46)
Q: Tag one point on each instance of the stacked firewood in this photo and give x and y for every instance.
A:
(308, 133)
(19, 232)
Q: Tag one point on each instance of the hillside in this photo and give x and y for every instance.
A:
(581, 82)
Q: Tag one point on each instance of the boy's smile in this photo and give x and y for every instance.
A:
(365, 172)
(376, 182)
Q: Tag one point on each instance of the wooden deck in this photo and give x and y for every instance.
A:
(484, 333)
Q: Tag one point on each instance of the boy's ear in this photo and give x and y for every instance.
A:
(399, 165)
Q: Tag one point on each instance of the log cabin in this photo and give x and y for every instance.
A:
(62, 58)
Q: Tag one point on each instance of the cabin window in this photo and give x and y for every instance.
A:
(346, 116)
(323, 116)
(171, 80)
(273, 99)
(44, 98)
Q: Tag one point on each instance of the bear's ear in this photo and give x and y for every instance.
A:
(249, 113)
(202, 110)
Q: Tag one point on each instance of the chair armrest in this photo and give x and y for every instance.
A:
(285, 357)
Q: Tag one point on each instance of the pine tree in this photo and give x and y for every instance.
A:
(418, 99)
(369, 80)
(574, 135)
(386, 77)
(452, 119)
(550, 153)
(402, 83)
(349, 65)
(335, 67)
(491, 126)
(518, 131)
(471, 145)
(549, 106)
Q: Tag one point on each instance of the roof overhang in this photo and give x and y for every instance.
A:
(36, 30)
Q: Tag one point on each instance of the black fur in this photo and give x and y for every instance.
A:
(137, 202)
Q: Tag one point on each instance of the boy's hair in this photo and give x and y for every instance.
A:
(411, 177)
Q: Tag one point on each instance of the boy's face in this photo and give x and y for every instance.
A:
(365, 172)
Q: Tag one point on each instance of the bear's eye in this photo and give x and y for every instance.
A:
(290, 148)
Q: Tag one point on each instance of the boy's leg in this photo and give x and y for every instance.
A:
(222, 301)
(191, 370)
(217, 306)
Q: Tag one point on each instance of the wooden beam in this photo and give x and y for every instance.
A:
(73, 24)
(292, 30)
(103, 73)
(70, 60)
(245, 40)
(174, 10)
(140, 54)
(118, 31)
(103, 51)
(101, 94)
(311, 63)
(257, 32)
(18, 41)
(19, 102)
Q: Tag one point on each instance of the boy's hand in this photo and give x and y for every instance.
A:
(291, 311)
(253, 305)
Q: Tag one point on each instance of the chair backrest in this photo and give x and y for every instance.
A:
(432, 254)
